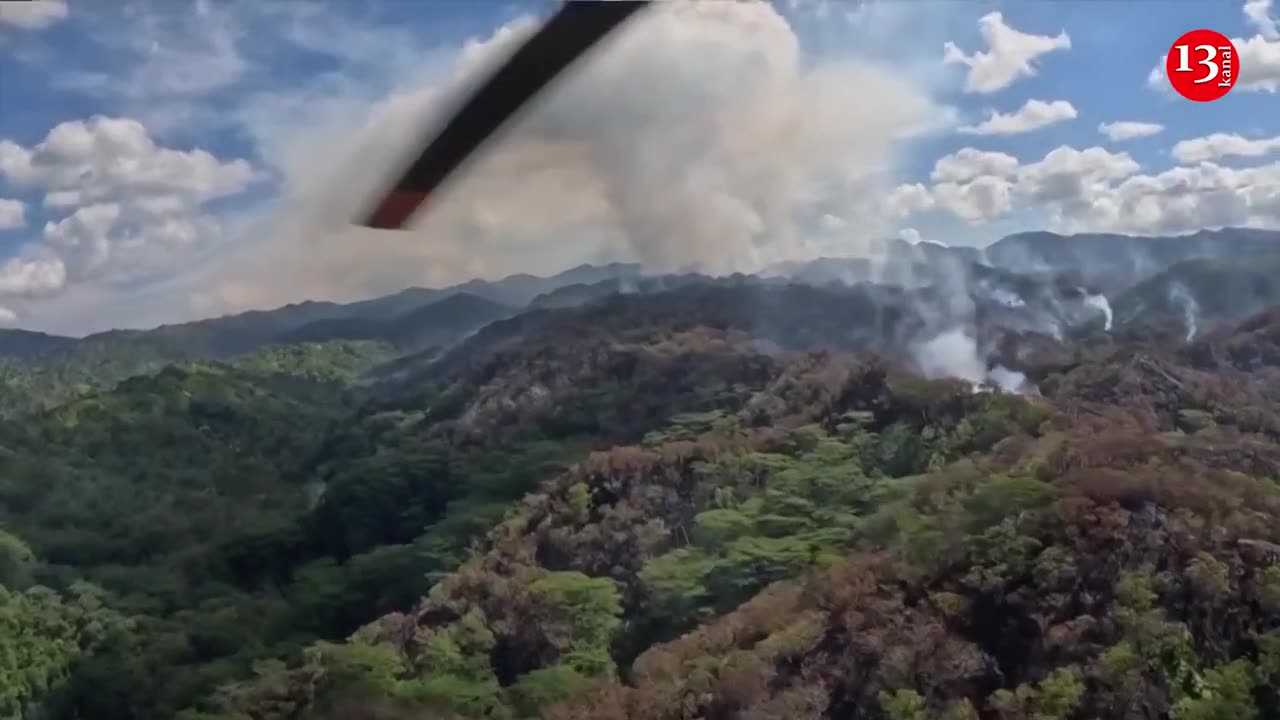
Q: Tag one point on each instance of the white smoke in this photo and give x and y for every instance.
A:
(1008, 380)
(954, 353)
(700, 135)
(1100, 303)
(1007, 298)
(1180, 296)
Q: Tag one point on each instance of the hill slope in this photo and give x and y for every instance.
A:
(651, 498)
(1195, 295)
(1114, 262)
(852, 541)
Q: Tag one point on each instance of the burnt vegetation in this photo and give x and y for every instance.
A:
(714, 500)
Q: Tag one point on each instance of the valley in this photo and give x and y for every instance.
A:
(1038, 481)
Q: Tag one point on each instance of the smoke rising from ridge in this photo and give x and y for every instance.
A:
(1099, 302)
(699, 135)
(967, 312)
(1180, 296)
(955, 353)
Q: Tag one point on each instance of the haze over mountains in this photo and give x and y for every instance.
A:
(896, 301)
(915, 485)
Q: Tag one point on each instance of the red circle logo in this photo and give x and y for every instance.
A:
(1202, 65)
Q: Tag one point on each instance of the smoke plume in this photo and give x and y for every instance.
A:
(955, 353)
(698, 135)
(1099, 302)
(1181, 297)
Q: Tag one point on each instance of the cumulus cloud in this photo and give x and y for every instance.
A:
(1258, 14)
(12, 214)
(169, 50)
(1259, 64)
(724, 148)
(909, 198)
(1066, 171)
(32, 275)
(968, 163)
(129, 201)
(1221, 145)
(7, 317)
(1033, 115)
(1129, 130)
(978, 201)
(106, 158)
(1096, 190)
(1011, 54)
(32, 15)
(971, 184)
(1184, 199)
(85, 236)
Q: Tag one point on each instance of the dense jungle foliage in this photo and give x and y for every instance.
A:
(707, 503)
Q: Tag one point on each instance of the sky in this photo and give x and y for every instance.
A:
(166, 160)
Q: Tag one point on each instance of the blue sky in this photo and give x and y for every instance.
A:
(161, 161)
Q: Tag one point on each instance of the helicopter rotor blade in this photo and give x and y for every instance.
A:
(575, 28)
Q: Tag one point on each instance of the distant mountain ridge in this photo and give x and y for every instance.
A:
(244, 332)
(1114, 262)
(29, 343)
(437, 322)
(1191, 296)
(1110, 262)
(1028, 282)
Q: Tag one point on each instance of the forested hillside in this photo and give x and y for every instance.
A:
(607, 496)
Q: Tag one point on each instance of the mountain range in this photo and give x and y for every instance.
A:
(900, 295)
(1039, 481)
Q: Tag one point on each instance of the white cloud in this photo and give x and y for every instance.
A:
(910, 235)
(105, 158)
(170, 50)
(1068, 181)
(1129, 130)
(1096, 190)
(12, 214)
(118, 242)
(974, 185)
(1033, 115)
(1158, 79)
(85, 236)
(1259, 64)
(32, 275)
(910, 198)
(968, 163)
(32, 15)
(7, 317)
(978, 201)
(1010, 54)
(132, 204)
(1091, 165)
(1258, 13)
(1184, 199)
(1221, 145)
(58, 199)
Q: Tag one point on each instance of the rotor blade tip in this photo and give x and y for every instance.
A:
(394, 210)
